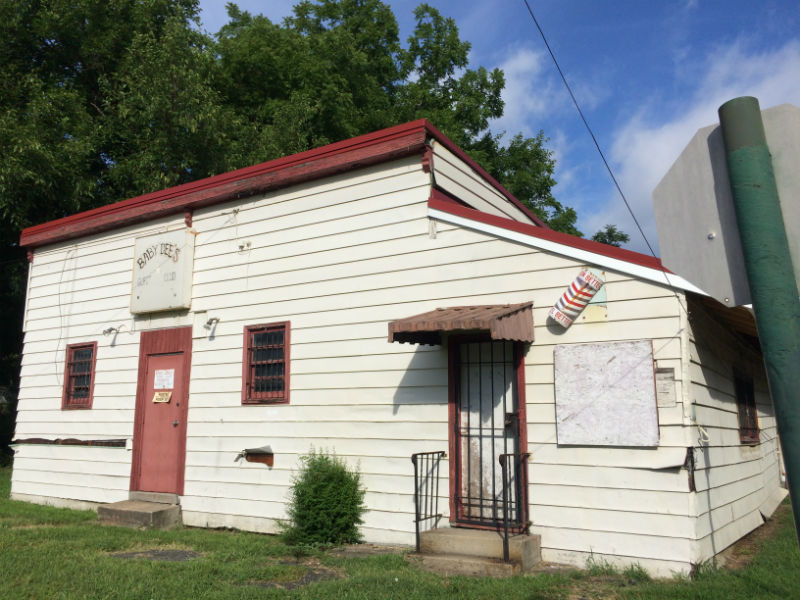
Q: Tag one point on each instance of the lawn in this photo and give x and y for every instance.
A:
(58, 553)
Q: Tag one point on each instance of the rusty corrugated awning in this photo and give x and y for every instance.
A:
(502, 321)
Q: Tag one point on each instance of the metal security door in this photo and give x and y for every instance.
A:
(486, 426)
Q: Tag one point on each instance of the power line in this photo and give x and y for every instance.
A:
(599, 150)
(589, 129)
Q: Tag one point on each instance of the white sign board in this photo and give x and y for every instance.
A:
(605, 394)
(164, 379)
(162, 272)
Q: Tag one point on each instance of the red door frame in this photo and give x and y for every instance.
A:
(454, 435)
(161, 341)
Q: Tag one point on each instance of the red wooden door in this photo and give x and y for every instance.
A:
(162, 404)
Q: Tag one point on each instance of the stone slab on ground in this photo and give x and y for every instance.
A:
(136, 513)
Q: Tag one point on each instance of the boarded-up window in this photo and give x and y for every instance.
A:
(79, 376)
(746, 406)
(266, 364)
(605, 394)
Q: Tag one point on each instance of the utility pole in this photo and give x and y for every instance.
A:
(770, 274)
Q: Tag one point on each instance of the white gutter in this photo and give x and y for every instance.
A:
(615, 264)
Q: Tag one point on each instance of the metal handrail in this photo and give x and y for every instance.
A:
(519, 464)
(426, 504)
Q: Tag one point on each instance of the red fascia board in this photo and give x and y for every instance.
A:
(373, 148)
(447, 143)
(440, 201)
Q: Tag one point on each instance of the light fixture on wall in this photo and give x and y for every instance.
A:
(212, 321)
(113, 330)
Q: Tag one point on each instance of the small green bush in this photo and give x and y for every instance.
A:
(326, 503)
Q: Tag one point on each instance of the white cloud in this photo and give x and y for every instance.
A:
(647, 144)
(528, 92)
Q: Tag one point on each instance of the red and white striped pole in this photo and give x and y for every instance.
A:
(575, 298)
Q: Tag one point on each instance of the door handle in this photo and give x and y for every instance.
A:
(175, 423)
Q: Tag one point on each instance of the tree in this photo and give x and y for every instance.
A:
(612, 236)
(336, 69)
(525, 167)
(79, 119)
(102, 101)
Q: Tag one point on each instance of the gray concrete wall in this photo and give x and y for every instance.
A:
(695, 218)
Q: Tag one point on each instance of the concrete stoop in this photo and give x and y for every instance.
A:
(455, 551)
(140, 514)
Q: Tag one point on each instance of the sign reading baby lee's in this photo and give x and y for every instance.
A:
(162, 272)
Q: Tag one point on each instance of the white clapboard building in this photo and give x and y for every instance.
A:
(378, 298)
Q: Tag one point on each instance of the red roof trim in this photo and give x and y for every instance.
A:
(373, 148)
(365, 150)
(443, 202)
(447, 143)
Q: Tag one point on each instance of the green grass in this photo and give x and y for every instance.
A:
(57, 553)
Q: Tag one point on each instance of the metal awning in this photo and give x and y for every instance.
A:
(501, 321)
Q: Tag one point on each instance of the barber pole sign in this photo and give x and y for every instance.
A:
(575, 298)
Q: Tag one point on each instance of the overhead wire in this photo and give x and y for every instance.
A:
(681, 303)
(599, 149)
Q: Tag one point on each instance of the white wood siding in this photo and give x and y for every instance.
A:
(737, 485)
(455, 176)
(339, 258)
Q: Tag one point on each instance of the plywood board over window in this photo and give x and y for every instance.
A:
(605, 394)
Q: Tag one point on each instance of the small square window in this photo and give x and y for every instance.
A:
(746, 406)
(265, 369)
(79, 376)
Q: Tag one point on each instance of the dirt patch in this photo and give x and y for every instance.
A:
(601, 587)
(362, 550)
(741, 553)
(165, 555)
(313, 572)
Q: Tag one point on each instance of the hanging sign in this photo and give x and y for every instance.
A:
(575, 298)
(162, 397)
(162, 272)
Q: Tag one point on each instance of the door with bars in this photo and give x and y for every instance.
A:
(487, 425)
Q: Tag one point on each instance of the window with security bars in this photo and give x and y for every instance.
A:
(266, 364)
(79, 376)
(746, 405)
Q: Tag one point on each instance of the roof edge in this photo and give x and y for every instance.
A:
(452, 147)
(366, 150)
(373, 148)
(620, 259)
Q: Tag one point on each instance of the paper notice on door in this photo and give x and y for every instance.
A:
(162, 396)
(164, 379)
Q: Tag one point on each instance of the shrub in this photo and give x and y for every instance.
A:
(326, 503)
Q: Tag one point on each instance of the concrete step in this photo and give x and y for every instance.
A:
(524, 550)
(460, 564)
(160, 497)
(140, 514)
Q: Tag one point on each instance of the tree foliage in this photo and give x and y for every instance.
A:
(612, 236)
(101, 101)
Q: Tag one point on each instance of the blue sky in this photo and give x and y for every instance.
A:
(647, 75)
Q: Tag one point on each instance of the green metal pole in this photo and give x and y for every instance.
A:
(773, 288)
